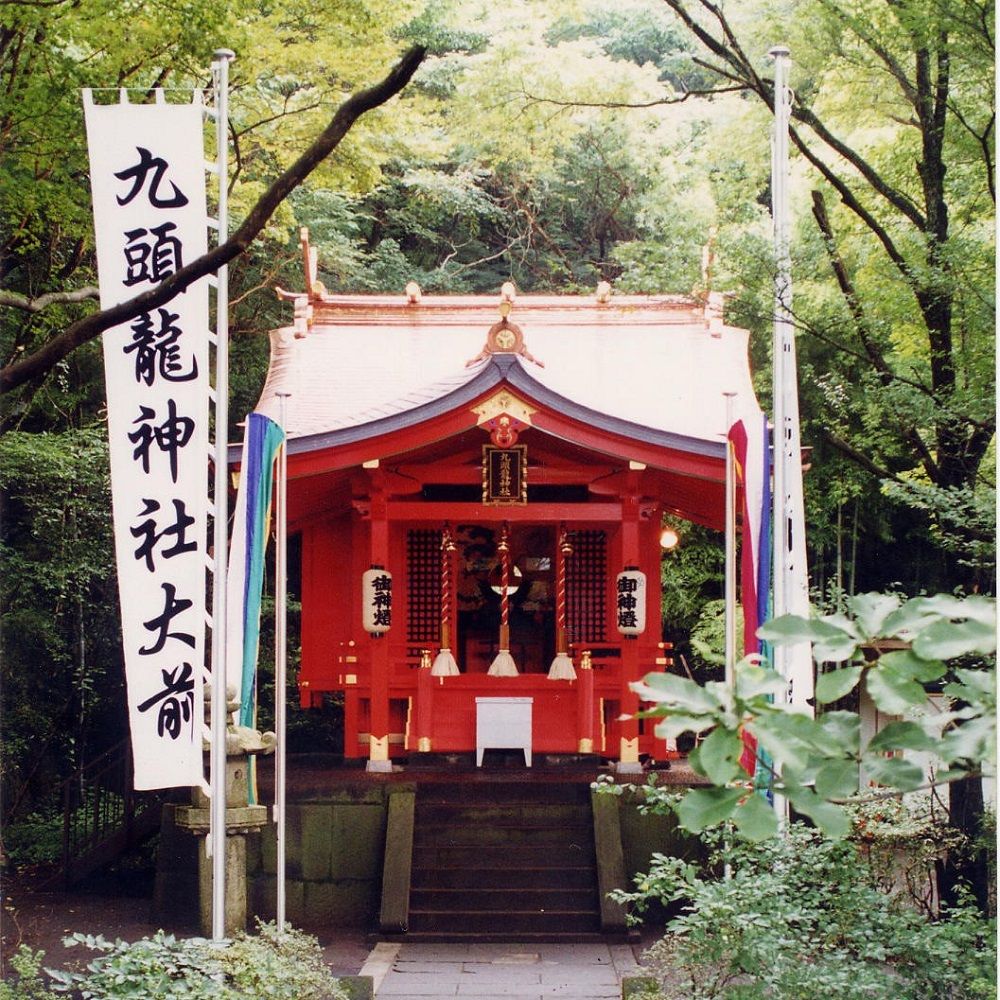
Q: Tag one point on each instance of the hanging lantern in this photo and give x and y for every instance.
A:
(630, 602)
(376, 601)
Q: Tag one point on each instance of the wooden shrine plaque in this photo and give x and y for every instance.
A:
(505, 474)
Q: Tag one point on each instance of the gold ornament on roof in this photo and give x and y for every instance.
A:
(505, 337)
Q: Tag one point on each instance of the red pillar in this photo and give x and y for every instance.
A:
(378, 740)
(424, 705)
(585, 704)
(628, 751)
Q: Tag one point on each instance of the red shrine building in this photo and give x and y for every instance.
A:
(479, 484)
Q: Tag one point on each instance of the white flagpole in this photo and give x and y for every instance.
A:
(217, 756)
(280, 660)
(791, 588)
(730, 584)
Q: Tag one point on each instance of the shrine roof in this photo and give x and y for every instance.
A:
(650, 367)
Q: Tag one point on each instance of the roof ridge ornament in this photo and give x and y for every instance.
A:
(505, 337)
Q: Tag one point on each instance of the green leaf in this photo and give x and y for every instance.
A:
(983, 682)
(788, 628)
(871, 611)
(902, 736)
(946, 640)
(672, 724)
(704, 807)
(837, 779)
(719, 755)
(755, 818)
(753, 681)
(778, 736)
(905, 661)
(975, 740)
(974, 607)
(844, 728)
(832, 686)
(895, 772)
(830, 818)
(908, 620)
(664, 688)
(892, 691)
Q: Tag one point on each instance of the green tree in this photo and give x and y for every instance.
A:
(894, 116)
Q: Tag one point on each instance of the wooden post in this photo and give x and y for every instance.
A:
(628, 753)
(425, 698)
(585, 704)
(378, 741)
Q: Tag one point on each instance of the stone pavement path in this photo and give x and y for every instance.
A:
(521, 971)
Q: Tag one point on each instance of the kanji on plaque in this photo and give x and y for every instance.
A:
(148, 186)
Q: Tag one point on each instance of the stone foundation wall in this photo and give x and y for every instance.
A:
(333, 860)
(334, 857)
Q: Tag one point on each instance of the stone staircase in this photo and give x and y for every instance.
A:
(507, 861)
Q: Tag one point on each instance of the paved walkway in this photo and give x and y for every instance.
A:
(525, 972)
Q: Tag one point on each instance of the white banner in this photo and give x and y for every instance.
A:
(148, 184)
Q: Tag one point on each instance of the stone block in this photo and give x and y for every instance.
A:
(638, 987)
(358, 839)
(357, 987)
(293, 838)
(316, 839)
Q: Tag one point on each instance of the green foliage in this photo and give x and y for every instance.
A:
(804, 917)
(285, 965)
(59, 609)
(819, 764)
(35, 839)
(26, 983)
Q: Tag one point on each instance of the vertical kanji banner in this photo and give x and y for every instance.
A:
(148, 186)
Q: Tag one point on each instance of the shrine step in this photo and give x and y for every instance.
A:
(500, 857)
(532, 899)
(510, 862)
(445, 877)
(490, 832)
(514, 922)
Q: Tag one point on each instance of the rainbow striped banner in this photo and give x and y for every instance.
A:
(245, 581)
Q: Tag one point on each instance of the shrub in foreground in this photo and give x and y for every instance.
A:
(803, 918)
(279, 966)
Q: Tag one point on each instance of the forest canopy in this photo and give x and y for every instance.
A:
(553, 144)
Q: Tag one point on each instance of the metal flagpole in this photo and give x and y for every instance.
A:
(217, 756)
(782, 325)
(791, 588)
(280, 660)
(730, 585)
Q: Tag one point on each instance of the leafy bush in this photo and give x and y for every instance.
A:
(37, 839)
(26, 983)
(280, 966)
(802, 918)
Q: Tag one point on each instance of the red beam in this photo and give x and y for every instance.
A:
(418, 510)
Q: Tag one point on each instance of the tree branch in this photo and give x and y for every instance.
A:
(636, 105)
(87, 329)
(857, 456)
(872, 350)
(16, 301)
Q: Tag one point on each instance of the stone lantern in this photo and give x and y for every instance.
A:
(242, 743)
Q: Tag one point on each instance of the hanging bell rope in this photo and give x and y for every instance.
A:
(562, 665)
(444, 662)
(503, 664)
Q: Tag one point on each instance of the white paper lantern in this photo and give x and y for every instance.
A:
(630, 602)
(376, 600)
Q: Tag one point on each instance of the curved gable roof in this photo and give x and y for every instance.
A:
(654, 369)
